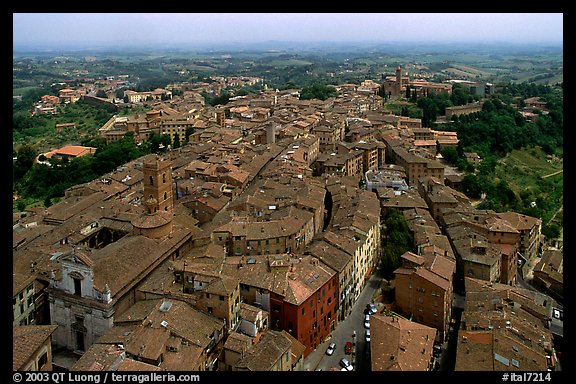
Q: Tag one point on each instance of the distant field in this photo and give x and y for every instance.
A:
(21, 91)
(288, 63)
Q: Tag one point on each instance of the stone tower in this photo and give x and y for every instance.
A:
(157, 184)
(398, 81)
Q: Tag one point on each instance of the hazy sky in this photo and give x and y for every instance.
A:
(196, 28)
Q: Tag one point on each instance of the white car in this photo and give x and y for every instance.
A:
(367, 337)
(330, 349)
(372, 309)
(367, 321)
(346, 366)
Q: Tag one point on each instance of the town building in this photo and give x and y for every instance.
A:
(32, 347)
(398, 344)
(424, 290)
(504, 328)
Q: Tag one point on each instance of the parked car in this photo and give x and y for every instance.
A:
(367, 321)
(330, 349)
(367, 336)
(372, 309)
(345, 364)
(348, 348)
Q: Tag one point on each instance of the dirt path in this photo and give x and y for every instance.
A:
(552, 174)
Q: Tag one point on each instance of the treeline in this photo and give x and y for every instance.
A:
(499, 128)
(496, 131)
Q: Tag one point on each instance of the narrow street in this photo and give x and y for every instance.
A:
(319, 360)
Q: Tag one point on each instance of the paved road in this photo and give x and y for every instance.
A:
(344, 332)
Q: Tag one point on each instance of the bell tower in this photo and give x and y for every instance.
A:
(157, 184)
(398, 81)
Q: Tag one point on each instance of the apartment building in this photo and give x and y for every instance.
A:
(342, 263)
(298, 291)
(23, 299)
(245, 236)
(328, 135)
(548, 273)
(215, 294)
(530, 229)
(415, 166)
(32, 347)
(424, 290)
(438, 196)
(398, 344)
(274, 351)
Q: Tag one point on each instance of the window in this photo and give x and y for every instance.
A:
(77, 290)
(42, 360)
(303, 311)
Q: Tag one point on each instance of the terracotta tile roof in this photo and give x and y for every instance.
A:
(257, 274)
(249, 312)
(71, 150)
(26, 340)
(137, 312)
(398, 344)
(177, 331)
(266, 353)
(100, 357)
(305, 278)
(254, 230)
(222, 285)
(131, 365)
(237, 342)
(520, 221)
(20, 282)
(330, 255)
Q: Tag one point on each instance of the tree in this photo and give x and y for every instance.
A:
(189, 131)
(398, 240)
(21, 205)
(176, 142)
(460, 95)
(471, 186)
(24, 161)
(450, 154)
(429, 110)
(318, 91)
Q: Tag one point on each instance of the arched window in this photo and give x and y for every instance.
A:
(163, 178)
(151, 180)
